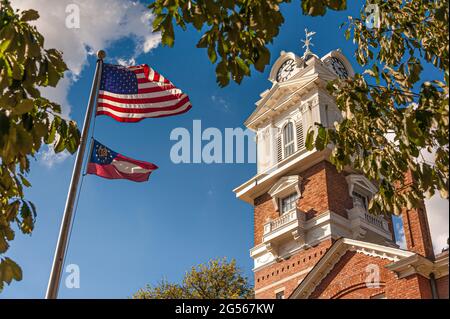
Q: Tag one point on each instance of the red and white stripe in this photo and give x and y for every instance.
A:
(156, 97)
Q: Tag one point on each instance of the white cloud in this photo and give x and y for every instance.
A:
(101, 24)
(126, 62)
(221, 102)
(438, 213)
(50, 158)
(59, 93)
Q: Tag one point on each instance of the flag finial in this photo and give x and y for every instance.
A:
(101, 54)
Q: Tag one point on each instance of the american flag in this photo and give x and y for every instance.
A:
(130, 94)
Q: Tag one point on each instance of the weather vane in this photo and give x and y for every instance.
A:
(307, 42)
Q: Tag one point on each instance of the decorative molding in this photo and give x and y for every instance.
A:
(305, 107)
(417, 264)
(360, 180)
(273, 249)
(374, 253)
(441, 266)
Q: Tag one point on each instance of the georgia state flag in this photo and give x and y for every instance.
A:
(106, 163)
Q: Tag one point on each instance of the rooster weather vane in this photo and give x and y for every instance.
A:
(307, 42)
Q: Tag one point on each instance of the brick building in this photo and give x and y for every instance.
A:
(313, 235)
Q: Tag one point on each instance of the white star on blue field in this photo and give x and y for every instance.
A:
(125, 234)
(118, 80)
(97, 156)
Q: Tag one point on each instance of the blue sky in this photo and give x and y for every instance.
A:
(127, 234)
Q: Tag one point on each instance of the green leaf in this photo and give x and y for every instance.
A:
(309, 140)
(243, 66)
(212, 54)
(24, 107)
(314, 7)
(222, 74)
(3, 245)
(4, 45)
(24, 181)
(321, 140)
(263, 59)
(168, 35)
(29, 15)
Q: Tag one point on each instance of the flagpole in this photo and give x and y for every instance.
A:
(60, 252)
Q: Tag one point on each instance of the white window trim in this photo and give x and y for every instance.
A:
(284, 187)
(277, 291)
(361, 185)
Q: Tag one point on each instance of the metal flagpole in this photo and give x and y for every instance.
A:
(60, 252)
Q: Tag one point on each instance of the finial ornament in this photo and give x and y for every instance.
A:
(101, 54)
(307, 42)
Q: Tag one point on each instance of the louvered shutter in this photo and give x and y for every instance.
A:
(279, 149)
(300, 137)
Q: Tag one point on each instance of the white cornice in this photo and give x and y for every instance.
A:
(441, 266)
(262, 111)
(260, 183)
(417, 264)
(315, 69)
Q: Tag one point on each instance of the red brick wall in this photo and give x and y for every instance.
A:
(347, 280)
(442, 287)
(264, 210)
(297, 263)
(314, 199)
(339, 199)
(417, 232)
(415, 224)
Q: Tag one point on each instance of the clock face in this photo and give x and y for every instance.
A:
(285, 71)
(339, 68)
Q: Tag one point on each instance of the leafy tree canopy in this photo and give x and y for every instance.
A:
(391, 116)
(27, 121)
(218, 279)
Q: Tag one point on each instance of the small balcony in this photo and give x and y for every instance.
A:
(287, 225)
(376, 221)
(362, 220)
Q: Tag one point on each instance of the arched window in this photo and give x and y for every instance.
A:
(288, 139)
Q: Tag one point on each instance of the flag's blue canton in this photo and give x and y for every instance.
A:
(101, 154)
(118, 79)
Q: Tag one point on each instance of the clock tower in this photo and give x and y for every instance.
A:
(305, 211)
(301, 203)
